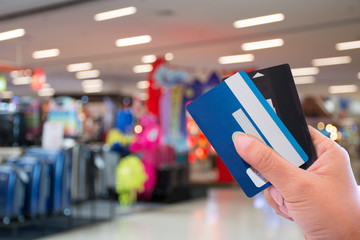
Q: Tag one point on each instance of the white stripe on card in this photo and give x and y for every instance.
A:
(246, 125)
(256, 177)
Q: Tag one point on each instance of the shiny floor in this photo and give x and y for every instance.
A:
(225, 214)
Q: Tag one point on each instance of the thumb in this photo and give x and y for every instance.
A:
(267, 161)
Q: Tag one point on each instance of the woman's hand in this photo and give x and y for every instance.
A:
(323, 200)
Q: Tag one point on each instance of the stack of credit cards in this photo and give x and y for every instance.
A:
(264, 104)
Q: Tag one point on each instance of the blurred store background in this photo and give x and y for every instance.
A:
(93, 93)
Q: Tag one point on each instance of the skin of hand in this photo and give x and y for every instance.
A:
(323, 200)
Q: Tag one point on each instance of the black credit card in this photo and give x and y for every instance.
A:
(277, 85)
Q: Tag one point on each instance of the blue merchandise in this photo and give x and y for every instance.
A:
(60, 169)
(37, 192)
(12, 192)
(124, 121)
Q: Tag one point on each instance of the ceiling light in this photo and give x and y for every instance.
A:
(143, 84)
(21, 80)
(76, 67)
(46, 92)
(93, 89)
(91, 86)
(88, 74)
(347, 45)
(358, 75)
(12, 34)
(259, 20)
(148, 59)
(343, 89)
(296, 72)
(169, 56)
(331, 61)
(304, 80)
(236, 59)
(92, 83)
(123, 42)
(143, 68)
(7, 94)
(20, 73)
(46, 53)
(262, 44)
(152, 58)
(115, 13)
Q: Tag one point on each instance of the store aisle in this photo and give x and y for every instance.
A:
(225, 214)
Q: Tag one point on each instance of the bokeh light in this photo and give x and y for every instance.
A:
(320, 126)
(138, 129)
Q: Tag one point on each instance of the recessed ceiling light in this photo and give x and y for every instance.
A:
(46, 53)
(92, 86)
(236, 59)
(76, 67)
(331, 61)
(22, 80)
(93, 89)
(92, 83)
(296, 72)
(343, 89)
(20, 73)
(152, 58)
(304, 80)
(278, 42)
(88, 74)
(259, 20)
(46, 92)
(143, 68)
(143, 84)
(12, 34)
(148, 59)
(347, 45)
(7, 94)
(115, 13)
(123, 42)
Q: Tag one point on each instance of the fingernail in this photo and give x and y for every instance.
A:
(241, 140)
(284, 210)
(276, 196)
(235, 135)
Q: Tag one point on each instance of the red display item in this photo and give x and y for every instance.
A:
(38, 79)
(224, 176)
(154, 90)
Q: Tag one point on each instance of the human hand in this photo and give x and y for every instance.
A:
(323, 200)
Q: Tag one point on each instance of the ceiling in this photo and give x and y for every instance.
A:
(197, 32)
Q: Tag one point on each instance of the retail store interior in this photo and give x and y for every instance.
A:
(95, 139)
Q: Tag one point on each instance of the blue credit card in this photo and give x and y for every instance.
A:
(237, 105)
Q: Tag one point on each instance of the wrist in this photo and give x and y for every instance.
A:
(351, 229)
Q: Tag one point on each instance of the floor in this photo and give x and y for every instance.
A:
(225, 214)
